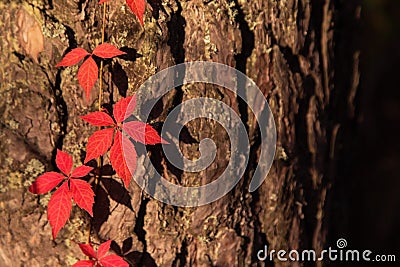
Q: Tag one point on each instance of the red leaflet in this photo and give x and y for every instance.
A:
(46, 182)
(138, 7)
(107, 51)
(105, 261)
(143, 133)
(113, 261)
(60, 204)
(121, 111)
(98, 144)
(103, 249)
(118, 160)
(81, 171)
(64, 162)
(82, 193)
(88, 250)
(59, 209)
(98, 118)
(73, 57)
(87, 75)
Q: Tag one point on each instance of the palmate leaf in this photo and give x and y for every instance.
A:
(111, 260)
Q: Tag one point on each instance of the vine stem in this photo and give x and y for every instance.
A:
(100, 101)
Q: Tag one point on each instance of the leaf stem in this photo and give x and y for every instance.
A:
(100, 101)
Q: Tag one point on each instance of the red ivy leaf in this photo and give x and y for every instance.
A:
(87, 75)
(98, 118)
(88, 250)
(46, 182)
(59, 209)
(83, 195)
(64, 162)
(121, 111)
(143, 133)
(103, 249)
(118, 160)
(138, 7)
(107, 51)
(84, 263)
(98, 144)
(113, 261)
(73, 57)
(81, 171)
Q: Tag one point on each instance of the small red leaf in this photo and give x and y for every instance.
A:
(64, 162)
(88, 250)
(59, 208)
(73, 57)
(143, 133)
(121, 111)
(83, 194)
(87, 75)
(107, 51)
(103, 249)
(46, 182)
(84, 263)
(103, 1)
(98, 144)
(118, 160)
(81, 171)
(113, 261)
(98, 118)
(138, 7)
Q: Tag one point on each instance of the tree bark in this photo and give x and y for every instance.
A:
(291, 49)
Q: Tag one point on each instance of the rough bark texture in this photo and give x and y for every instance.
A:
(289, 48)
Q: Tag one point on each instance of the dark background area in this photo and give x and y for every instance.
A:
(366, 199)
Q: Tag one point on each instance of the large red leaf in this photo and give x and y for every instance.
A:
(113, 261)
(88, 250)
(73, 57)
(103, 249)
(87, 75)
(143, 133)
(81, 171)
(46, 182)
(84, 263)
(138, 7)
(118, 160)
(83, 194)
(98, 144)
(64, 162)
(59, 208)
(107, 51)
(121, 111)
(98, 118)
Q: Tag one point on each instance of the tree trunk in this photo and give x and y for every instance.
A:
(290, 49)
